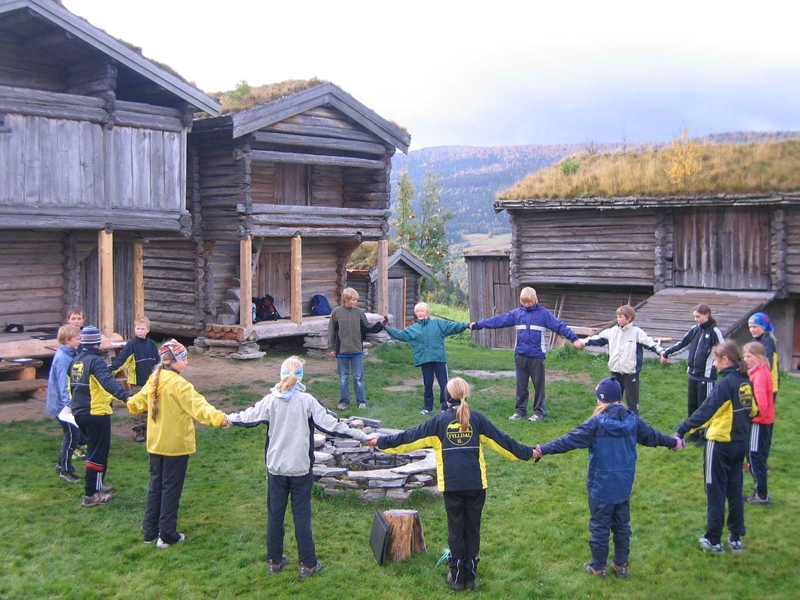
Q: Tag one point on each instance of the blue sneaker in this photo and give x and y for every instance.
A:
(705, 544)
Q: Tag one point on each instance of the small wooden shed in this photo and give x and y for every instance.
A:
(405, 273)
(92, 162)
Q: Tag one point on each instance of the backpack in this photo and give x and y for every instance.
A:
(265, 309)
(320, 305)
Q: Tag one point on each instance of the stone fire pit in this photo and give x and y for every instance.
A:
(342, 464)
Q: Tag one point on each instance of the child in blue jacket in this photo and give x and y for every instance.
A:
(58, 397)
(611, 434)
(531, 321)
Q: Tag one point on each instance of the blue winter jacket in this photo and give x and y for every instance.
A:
(611, 437)
(58, 381)
(531, 323)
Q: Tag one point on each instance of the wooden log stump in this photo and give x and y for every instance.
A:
(405, 534)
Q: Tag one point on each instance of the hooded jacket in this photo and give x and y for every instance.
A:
(772, 358)
(92, 387)
(727, 411)
(701, 339)
(460, 466)
(58, 381)
(291, 417)
(347, 329)
(625, 347)
(171, 432)
(139, 357)
(531, 323)
(426, 338)
(761, 378)
(611, 437)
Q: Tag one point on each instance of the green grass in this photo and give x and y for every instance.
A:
(534, 536)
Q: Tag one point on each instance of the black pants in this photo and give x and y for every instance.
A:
(527, 367)
(72, 435)
(607, 518)
(760, 442)
(278, 492)
(167, 474)
(698, 392)
(723, 481)
(439, 370)
(630, 388)
(97, 430)
(464, 525)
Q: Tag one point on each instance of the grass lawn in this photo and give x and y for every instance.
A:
(535, 526)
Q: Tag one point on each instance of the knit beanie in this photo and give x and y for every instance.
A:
(609, 390)
(172, 351)
(90, 336)
(762, 320)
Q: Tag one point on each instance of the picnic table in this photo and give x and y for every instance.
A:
(19, 375)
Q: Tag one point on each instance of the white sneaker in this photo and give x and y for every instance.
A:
(736, 546)
(516, 417)
(163, 545)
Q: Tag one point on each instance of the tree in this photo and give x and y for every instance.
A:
(404, 222)
(431, 240)
(683, 158)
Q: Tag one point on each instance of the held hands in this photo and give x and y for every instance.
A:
(680, 443)
(332, 353)
(664, 360)
(472, 326)
(537, 453)
(372, 441)
(578, 344)
(225, 423)
(385, 321)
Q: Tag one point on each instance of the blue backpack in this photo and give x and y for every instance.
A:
(320, 305)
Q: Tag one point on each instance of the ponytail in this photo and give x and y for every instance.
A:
(459, 390)
(604, 405)
(291, 373)
(154, 389)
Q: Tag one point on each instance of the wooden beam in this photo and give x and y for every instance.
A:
(329, 211)
(383, 279)
(246, 282)
(296, 299)
(313, 159)
(265, 137)
(105, 283)
(138, 280)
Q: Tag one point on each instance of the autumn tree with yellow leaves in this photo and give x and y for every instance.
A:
(683, 160)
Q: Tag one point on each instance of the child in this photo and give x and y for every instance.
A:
(346, 331)
(761, 328)
(291, 416)
(76, 317)
(92, 388)
(701, 339)
(531, 321)
(139, 357)
(727, 411)
(611, 434)
(171, 404)
(761, 427)
(458, 436)
(69, 338)
(625, 343)
(426, 337)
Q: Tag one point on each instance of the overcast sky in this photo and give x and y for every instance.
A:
(495, 73)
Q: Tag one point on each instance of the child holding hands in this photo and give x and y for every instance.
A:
(458, 435)
(755, 357)
(58, 399)
(611, 435)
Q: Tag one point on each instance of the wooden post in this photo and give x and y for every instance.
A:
(138, 280)
(405, 534)
(246, 282)
(105, 259)
(383, 280)
(296, 299)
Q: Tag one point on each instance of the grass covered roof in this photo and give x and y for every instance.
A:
(753, 168)
(245, 96)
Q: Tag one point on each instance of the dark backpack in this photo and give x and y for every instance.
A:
(320, 305)
(265, 309)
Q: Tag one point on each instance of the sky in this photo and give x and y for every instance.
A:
(495, 73)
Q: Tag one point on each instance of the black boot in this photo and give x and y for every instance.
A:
(455, 577)
(471, 572)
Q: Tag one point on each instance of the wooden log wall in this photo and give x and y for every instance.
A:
(778, 253)
(223, 183)
(583, 306)
(588, 247)
(31, 278)
(491, 293)
(792, 249)
(31, 68)
(222, 267)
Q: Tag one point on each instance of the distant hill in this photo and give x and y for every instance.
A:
(471, 176)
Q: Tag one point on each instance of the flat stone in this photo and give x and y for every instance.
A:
(227, 319)
(418, 466)
(431, 489)
(328, 471)
(332, 492)
(374, 474)
(319, 440)
(421, 478)
(359, 450)
(413, 484)
(399, 495)
(322, 458)
(373, 494)
(367, 430)
(345, 483)
(356, 423)
(375, 423)
(248, 356)
(329, 448)
(346, 443)
(387, 483)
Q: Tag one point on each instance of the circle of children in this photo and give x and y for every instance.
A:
(733, 415)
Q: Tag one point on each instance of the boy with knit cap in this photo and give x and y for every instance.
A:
(92, 388)
(171, 404)
(611, 435)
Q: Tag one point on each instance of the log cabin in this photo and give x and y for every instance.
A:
(731, 240)
(281, 193)
(93, 141)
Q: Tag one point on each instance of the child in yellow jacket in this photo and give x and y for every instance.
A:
(171, 404)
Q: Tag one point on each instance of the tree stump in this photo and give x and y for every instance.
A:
(405, 534)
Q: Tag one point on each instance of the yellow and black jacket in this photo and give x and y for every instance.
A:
(460, 465)
(91, 385)
(727, 411)
(139, 357)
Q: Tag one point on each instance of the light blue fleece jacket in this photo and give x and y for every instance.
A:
(57, 384)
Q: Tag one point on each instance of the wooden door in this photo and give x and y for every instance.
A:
(503, 302)
(722, 248)
(397, 301)
(123, 289)
(291, 184)
(275, 279)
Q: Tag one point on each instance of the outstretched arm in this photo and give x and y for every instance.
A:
(580, 437)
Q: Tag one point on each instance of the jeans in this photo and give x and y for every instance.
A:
(429, 371)
(346, 366)
(167, 474)
(280, 487)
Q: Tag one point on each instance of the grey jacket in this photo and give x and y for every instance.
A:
(347, 329)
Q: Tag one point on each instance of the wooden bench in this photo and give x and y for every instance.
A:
(18, 377)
